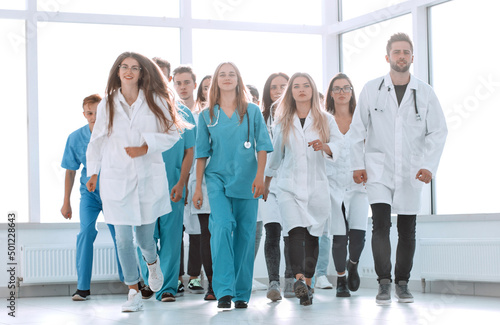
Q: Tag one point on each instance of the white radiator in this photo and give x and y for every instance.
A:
(460, 259)
(57, 264)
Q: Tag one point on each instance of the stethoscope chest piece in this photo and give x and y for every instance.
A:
(247, 145)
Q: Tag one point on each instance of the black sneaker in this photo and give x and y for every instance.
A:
(224, 302)
(240, 304)
(81, 295)
(352, 276)
(146, 292)
(342, 290)
(180, 289)
(210, 295)
(194, 286)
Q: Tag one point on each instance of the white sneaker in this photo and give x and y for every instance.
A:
(134, 302)
(323, 283)
(256, 285)
(155, 279)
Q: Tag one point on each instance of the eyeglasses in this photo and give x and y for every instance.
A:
(345, 89)
(125, 67)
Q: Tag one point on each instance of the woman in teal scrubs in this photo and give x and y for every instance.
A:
(232, 132)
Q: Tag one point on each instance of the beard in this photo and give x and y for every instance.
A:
(397, 68)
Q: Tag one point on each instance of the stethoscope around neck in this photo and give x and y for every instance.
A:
(417, 115)
(247, 143)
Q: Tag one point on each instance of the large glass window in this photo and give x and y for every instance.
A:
(158, 8)
(74, 62)
(364, 50)
(297, 12)
(13, 124)
(466, 78)
(257, 55)
(355, 8)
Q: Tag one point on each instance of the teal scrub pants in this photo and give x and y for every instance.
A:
(232, 227)
(168, 232)
(90, 207)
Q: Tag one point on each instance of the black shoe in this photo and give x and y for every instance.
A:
(307, 299)
(180, 289)
(224, 302)
(81, 295)
(303, 292)
(210, 293)
(146, 292)
(352, 276)
(342, 290)
(167, 297)
(240, 304)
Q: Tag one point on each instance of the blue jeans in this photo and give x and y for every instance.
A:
(144, 236)
(323, 255)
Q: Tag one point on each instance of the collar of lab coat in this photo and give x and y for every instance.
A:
(137, 104)
(413, 84)
(296, 121)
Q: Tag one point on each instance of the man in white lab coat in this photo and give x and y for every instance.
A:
(399, 132)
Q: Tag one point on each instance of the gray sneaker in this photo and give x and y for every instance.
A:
(289, 293)
(384, 292)
(403, 293)
(273, 292)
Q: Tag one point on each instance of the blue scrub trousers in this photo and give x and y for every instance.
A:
(90, 207)
(232, 227)
(168, 231)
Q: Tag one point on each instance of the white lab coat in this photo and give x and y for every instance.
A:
(343, 190)
(397, 144)
(303, 194)
(269, 210)
(134, 191)
(191, 221)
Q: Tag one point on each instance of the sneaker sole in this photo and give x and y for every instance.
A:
(196, 291)
(383, 302)
(300, 291)
(169, 299)
(79, 298)
(405, 300)
(274, 295)
(327, 287)
(132, 309)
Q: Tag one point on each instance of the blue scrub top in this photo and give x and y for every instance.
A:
(232, 167)
(75, 154)
(173, 157)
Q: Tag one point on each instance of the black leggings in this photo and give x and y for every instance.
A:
(354, 239)
(273, 254)
(206, 255)
(303, 251)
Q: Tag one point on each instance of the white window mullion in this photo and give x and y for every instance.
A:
(32, 106)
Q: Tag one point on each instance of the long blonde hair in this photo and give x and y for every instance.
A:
(241, 93)
(287, 108)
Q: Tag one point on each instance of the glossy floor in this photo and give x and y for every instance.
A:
(326, 309)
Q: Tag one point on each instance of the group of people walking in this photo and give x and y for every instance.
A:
(307, 167)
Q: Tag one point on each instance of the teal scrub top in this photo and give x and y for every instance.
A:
(232, 167)
(173, 157)
(75, 155)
